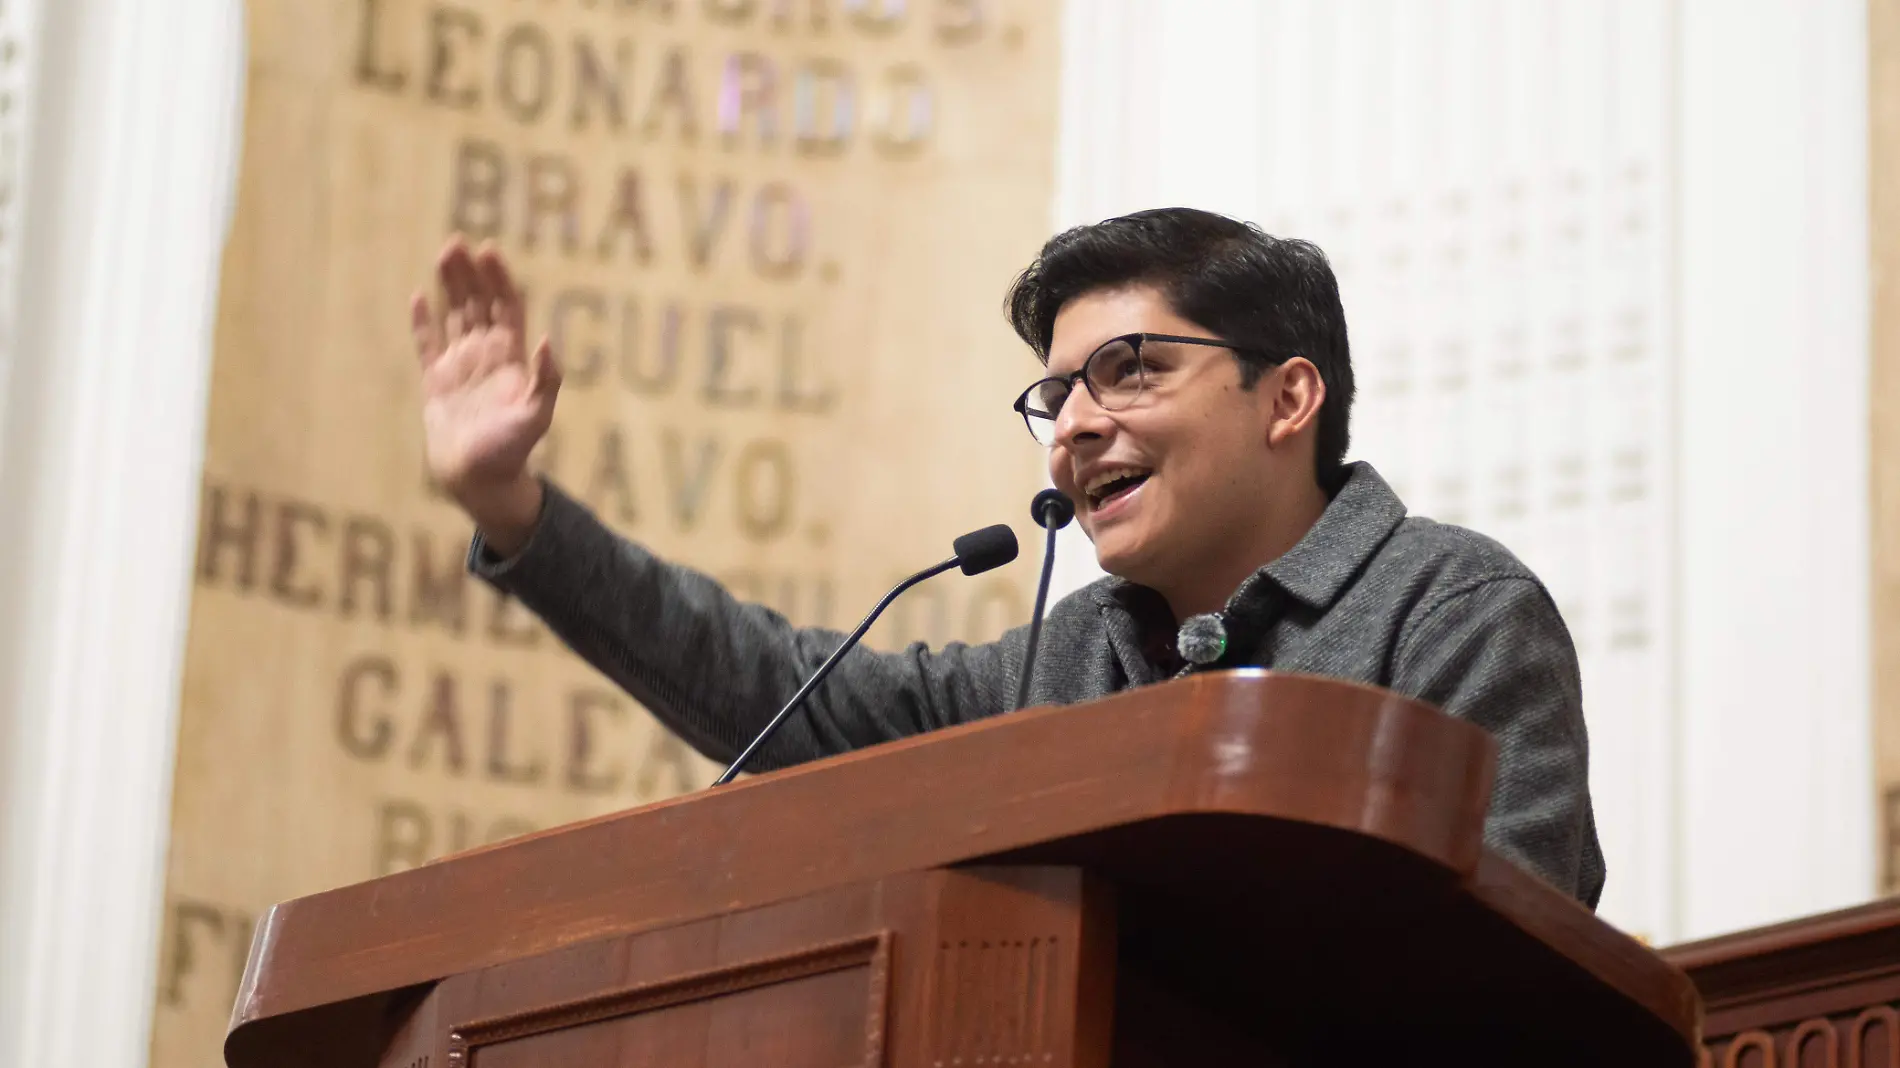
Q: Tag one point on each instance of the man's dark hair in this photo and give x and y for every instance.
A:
(1274, 295)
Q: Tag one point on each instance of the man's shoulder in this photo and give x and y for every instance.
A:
(1444, 559)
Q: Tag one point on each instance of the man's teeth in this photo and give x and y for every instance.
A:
(1109, 477)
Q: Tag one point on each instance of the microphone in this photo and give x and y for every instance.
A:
(1051, 511)
(1202, 639)
(976, 552)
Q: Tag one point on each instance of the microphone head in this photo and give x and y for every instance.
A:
(981, 550)
(1202, 639)
(1051, 509)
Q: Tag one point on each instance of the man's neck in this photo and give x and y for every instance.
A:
(1211, 584)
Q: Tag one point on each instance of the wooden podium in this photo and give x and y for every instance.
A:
(1239, 868)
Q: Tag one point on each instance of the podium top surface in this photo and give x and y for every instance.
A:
(1317, 819)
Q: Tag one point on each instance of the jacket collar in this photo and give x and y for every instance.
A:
(1362, 515)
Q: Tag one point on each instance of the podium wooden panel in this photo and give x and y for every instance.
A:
(1823, 990)
(1233, 868)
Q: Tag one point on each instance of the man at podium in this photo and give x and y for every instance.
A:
(1195, 408)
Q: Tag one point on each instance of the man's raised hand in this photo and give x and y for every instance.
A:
(485, 400)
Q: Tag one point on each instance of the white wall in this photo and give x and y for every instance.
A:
(1777, 771)
(129, 110)
(1605, 271)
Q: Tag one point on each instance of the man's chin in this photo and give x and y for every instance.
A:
(1124, 562)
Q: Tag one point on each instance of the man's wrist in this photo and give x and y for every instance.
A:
(506, 515)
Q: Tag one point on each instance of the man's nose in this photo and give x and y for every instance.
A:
(1081, 419)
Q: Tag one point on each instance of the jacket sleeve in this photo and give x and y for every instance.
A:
(1498, 654)
(714, 669)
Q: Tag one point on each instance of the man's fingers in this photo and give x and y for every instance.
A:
(426, 330)
(544, 370)
(447, 271)
(463, 286)
(504, 298)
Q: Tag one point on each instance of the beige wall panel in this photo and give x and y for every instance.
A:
(780, 315)
(1883, 107)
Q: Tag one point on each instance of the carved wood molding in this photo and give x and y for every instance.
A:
(1822, 966)
(1843, 1041)
(872, 952)
(995, 999)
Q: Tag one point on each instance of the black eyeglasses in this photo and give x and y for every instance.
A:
(1114, 373)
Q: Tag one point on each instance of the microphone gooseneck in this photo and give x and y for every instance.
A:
(976, 552)
(1051, 511)
(1202, 639)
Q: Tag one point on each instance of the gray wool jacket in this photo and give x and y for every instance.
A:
(1426, 609)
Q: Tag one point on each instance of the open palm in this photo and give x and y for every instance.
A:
(485, 402)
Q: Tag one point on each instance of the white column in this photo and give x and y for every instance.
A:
(132, 126)
(1773, 305)
(19, 55)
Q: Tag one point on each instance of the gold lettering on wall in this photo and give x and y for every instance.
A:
(768, 239)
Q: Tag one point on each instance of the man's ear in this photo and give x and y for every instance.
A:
(1295, 392)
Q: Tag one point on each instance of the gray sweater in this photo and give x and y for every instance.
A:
(1429, 610)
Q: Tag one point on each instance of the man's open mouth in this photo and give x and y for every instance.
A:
(1114, 483)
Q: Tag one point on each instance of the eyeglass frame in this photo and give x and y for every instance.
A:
(1134, 342)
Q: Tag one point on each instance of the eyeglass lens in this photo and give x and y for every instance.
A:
(1115, 376)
